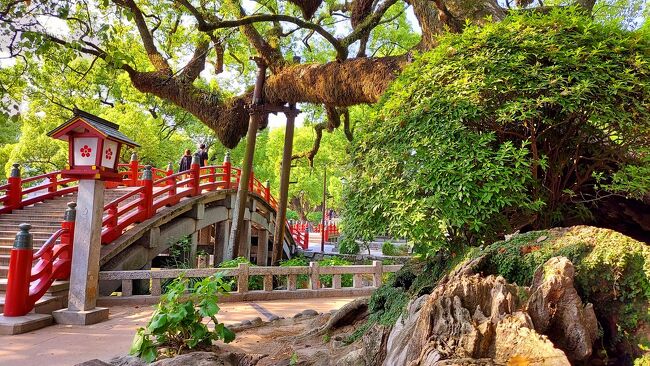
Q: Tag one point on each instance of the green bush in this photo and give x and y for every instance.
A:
(254, 282)
(326, 280)
(178, 324)
(315, 217)
(302, 281)
(292, 215)
(348, 246)
(454, 151)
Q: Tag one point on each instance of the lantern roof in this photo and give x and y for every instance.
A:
(100, 125)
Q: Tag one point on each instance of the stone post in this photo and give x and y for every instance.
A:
(85, 258)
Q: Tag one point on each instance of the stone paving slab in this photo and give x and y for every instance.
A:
(66, 345)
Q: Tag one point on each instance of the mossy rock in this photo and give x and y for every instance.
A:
(612, 273)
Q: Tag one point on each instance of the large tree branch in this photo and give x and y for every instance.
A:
(194, 67)
(368, 24)
(341, 51)
(155, 57)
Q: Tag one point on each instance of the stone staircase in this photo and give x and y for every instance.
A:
(45, 218)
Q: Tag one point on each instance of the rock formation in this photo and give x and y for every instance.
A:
(557, 311)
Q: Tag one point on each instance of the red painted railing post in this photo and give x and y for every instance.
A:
(305, 240)
(195, 175)
(15, 191)
(133, 167)
(20, 268)
(211, 178)
(147, 201)
(227, 171)
(171, 181)
(53, 183)
(251, 182)
(267, 191)
(67, 238)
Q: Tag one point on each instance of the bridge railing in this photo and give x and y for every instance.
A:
(365, 279)
(143, 202)
(27, 282)
(19, 192)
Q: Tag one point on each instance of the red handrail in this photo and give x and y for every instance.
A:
(26, 284)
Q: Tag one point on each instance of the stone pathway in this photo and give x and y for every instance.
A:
(68, 344)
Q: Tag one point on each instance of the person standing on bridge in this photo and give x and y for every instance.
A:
(202, 154)
(186, 161)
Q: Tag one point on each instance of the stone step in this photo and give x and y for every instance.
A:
(3, 271)
(9, 241)
(4, 261)
(35, 234)
(6, 249)
(57, 286)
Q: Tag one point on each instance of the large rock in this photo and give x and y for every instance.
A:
(468, 320)
(557, 311)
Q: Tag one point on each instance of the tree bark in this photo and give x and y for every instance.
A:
(344, 83)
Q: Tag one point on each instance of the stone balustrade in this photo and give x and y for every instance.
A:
(365, 279)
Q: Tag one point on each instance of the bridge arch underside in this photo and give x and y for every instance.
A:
(206, 219)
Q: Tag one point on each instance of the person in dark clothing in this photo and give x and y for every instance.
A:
(186, 161)
(202, 154)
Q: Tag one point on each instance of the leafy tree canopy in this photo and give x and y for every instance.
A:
(475, 137)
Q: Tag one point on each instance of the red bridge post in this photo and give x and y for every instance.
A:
(134, 166)
(171, 181)
(20, 268)
(267, 191)
(15, 192)
(195, 176)
(67, 238)
(227, 170)
(251, 182)
(147, 183)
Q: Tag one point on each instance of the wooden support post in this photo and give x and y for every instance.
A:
(262, 247)
(221, 241)
(278, 236)
(247, 166)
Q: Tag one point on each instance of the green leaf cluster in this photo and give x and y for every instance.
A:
(178, 322)
(504, 126)
(254, 282)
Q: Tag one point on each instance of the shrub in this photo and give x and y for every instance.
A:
(254, 282)
(178, 324)
(326, 280)
(454, 151)
(348, 246)
(315, 217)
(302, 280)
(292, 215)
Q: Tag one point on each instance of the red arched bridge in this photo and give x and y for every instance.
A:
(142, 218)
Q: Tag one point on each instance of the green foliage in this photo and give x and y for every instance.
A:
(254, 282)
(177, 323)
(298, 261)
(478, 135)
(390, 249)
(385, 306)
(326, 280)
(292, 215)
(612, 270)
(315, 217)
(347, 245)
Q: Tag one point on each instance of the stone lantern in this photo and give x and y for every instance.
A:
(94, 146)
